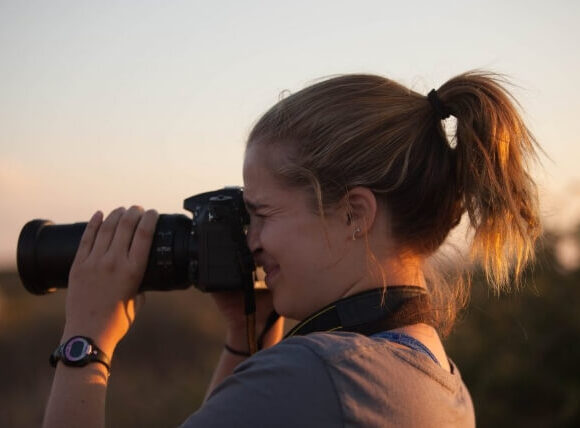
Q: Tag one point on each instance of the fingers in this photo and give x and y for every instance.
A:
(143, 237)
(125, 230)
(107, 231)
(124, 233)
(88, 238)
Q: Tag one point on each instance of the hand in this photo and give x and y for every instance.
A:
(104, 279)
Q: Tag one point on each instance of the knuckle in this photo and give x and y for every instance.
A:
(80, 268)
(134, 273)
(126, 221)
(144, 233)
(89, 232)
(107, 225)
(109, 264)
(91, 225)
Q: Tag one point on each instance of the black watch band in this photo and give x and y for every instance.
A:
(78, 351)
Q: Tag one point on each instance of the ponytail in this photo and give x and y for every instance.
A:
(493, 150)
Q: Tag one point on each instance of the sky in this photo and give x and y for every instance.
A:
(109, 103)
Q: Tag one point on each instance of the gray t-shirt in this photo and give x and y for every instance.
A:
(338, 380)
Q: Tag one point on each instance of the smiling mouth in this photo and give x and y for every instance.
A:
(271, 273)
(265, 275)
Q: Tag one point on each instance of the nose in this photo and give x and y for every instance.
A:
(253, 237)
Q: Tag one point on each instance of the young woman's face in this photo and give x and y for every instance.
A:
(306, 258)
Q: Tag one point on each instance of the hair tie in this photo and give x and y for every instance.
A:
(440, 108)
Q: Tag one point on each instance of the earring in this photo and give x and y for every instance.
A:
(355, 232)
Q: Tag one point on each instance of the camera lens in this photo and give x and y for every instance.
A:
(46, 252)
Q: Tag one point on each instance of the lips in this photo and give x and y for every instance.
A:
(271, 273)
(271, 270)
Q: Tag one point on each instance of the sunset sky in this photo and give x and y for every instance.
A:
(107, 103)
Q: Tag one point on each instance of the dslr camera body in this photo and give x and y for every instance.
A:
(208, 251)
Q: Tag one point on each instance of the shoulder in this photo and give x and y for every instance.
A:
(329, 379)
(281, 386)
(381, 383)
(374, 354)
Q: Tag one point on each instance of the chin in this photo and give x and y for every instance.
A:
(286, 309)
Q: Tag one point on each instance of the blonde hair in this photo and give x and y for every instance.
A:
(366, 130)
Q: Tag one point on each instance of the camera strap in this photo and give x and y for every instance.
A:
(371, 312)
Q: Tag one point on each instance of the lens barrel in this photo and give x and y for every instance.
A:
(46, 252)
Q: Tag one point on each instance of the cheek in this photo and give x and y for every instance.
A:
(279, 239)
(299, 245)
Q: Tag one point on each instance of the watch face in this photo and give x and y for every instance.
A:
(77, 349)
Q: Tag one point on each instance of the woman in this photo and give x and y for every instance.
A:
(351, 185)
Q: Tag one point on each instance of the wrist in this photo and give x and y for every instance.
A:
(78, 352)
(102, 340)
(238, 340)
(237, 352)
(96, 374)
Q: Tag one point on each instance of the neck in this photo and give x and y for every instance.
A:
(397, 270)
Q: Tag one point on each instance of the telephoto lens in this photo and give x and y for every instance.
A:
(46, 252)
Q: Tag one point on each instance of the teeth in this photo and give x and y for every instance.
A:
(261, 285)
(260, 273)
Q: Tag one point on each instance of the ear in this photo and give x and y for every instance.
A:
(361, 209)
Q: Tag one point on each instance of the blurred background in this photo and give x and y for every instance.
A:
(114, 103)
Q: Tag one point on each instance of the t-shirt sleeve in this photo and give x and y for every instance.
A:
(287, 385)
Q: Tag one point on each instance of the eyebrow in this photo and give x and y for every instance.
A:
(254, 206)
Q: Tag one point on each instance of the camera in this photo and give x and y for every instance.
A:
(208, 251)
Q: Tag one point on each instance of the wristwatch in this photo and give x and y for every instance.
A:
(79, 351)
